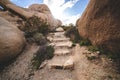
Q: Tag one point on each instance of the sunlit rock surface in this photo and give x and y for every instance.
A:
(42, 11)
(100, 23)
(12, 40)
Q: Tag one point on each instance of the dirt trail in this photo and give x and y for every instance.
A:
(60, 67)
(20, 68)
(67, 64)
(100, 68)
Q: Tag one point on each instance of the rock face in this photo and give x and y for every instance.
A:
(12, 40)
(42, 11)
(100, 23)
(39, 10)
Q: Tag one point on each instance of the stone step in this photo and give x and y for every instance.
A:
(58, 39)
(59, 36)
(62, 51)
(61, 39)
(60, 29)
(61, 62)
(62, 44)
(57, 33)
(62, 47)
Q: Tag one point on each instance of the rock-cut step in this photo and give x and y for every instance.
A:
(63, 44)
(61, 62)
(56, 39)
(61, 39)
(57, 33)
(59, 29)
(62, 51)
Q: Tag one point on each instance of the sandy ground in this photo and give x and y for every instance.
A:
(97, 69)
(100, 68)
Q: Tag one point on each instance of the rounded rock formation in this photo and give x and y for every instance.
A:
(42, 11)
(12, 41)
(40, 8)
(100, 23)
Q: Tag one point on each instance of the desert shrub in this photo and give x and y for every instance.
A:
(35, 29)
(39, 39)
(66, 27)
(111, 55)
(85, 42)
(73, 44)
(44, 52)
(50, 52)
(93, 48)
(108, 54)
(91, 57)
(73, 34)
(35, 24)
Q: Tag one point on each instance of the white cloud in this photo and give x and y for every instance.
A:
(71, 19)
(58, 7)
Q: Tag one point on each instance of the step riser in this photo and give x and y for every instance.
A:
(62, 55)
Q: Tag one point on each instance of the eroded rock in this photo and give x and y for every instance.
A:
(12, 40)
(100, 24)
(42, 11)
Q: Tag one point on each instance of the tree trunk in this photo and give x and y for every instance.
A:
(7, 5)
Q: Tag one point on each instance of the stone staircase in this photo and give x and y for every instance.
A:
(62, 56)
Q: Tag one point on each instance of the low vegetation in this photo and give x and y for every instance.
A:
(35, 30)
(66, 27)
(36, 24)
(93, 48)
(39, 39)
(85, 42)
(91, 57)
(44, 53)
(72, 32)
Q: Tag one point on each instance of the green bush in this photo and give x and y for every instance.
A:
(35, 24)
(39, 39)
(73, 44)
(44, 52)
(93, 48)
(85, 42)
(91, 57)
(66, 27)
(112, 55)
(35, 29)
(73, 34)
(50, 52)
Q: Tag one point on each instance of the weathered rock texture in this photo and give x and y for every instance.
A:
(100, 23)
(39, 10)
(12, 40)
(42, 11)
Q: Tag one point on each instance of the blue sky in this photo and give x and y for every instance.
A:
(68, 11)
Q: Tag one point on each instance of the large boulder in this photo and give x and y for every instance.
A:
(42, 11)
(39, 10)
(100, 23)
(12, 41)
